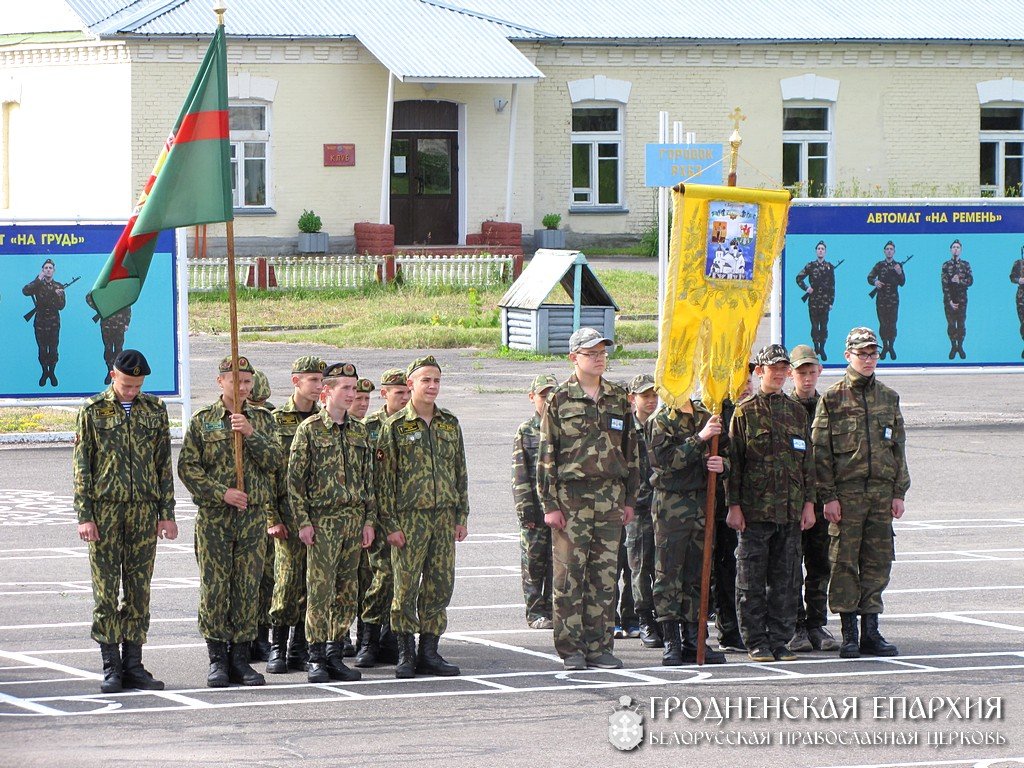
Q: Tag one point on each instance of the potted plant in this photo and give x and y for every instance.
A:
(311, 239)
(551, 236)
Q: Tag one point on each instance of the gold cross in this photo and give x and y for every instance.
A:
(737, 117)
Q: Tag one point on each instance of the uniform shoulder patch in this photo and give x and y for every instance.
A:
(286, 418)
(379, 455)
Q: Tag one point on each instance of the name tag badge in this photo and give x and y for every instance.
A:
(799, 444)
(616, 424)
(887, 433)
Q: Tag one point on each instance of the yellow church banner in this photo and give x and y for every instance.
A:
(723, 245)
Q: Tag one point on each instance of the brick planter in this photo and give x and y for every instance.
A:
(502, 233)
(375, 239)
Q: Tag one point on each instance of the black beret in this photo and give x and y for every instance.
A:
(131, 362)
(341, 370)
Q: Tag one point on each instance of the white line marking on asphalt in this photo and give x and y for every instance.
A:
(503, 646)
(980, 622)
(31, 706)
(26, 658)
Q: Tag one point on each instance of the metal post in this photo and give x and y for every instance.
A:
(663, 193)
(776, 302)
(577, 293)
(385, 179)
(513, 112)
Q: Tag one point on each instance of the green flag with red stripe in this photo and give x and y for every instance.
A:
(190, 184)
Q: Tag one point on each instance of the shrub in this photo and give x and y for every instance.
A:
(551, 221)
(309, 222)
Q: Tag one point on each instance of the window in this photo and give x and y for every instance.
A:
(806, 149)
(1002, 151)
(250, 156)
(596, 157)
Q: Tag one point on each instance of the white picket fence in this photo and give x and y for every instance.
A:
(212, 274)
(325, 271)
(464, 271)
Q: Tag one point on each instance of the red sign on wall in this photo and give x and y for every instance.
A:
(339, 154)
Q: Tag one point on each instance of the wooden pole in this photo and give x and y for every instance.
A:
(233, 311)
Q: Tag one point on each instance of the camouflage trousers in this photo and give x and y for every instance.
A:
(535, 559)
(230, 548)
(424, 573)
(376, 605)
(625, 607)
(640, 551)
(765, 600)
(47, 340)
(1020, 309)
(819, 321)
(122, 560)
(332, 573)
(267, 584)
(810, 581)
(861, 550)
(679, 546)
(888, 311)
(723, 581)
(584, 558)
(288, 606)
(956, 321)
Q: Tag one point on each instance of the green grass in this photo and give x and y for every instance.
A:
(42, 419)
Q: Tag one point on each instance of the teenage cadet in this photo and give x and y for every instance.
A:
(330, 489)
(260, 651)
(379, 644)
(811, 590)
(288, 607)
(231, 525)
(534, 535)
(424, 507)
(771, 498)
(862, 480)
(587, 479)
(124, 498)
(360, 405)
(640, 533)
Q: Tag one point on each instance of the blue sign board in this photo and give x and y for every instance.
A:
(670, 164)
(930, 319)
(62, 350)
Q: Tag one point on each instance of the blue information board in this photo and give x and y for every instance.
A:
(80, 342)
(670, 164)
(929, 314)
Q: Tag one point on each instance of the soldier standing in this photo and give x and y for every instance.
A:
(48, 296)
(821, 295)
(379, 643)
(587, 479)
(862, 480)
(231, 525)
(680, 461)
(1017, 278)
(360, 405)
(534, 535)
(956, 279)
(811, 590)
(771, 498)
(640, 533)
(424, 506)
(124, 498)
(330, 489)
(887, 277)
(260, 651)
(288, 605)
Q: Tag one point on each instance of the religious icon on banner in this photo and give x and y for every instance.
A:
(732, 232)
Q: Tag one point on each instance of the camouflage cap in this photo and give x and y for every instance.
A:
(393, 377)
(803, 354)
(641, 383)
(365, 385)
(421, 362)
(859, 338)
(772, 354)
(585, 338)
(131, 362)
(340, 371)
(542, 382)
(244, 366)
(260, 388)
(309, 364)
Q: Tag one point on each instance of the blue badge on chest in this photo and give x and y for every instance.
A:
(799, 444)
(615, 423)
(887, 433)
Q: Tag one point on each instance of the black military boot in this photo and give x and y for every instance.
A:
(316, 668)
(960, 349)
(45, 375)
(133, 674)
(892, 349)
(672, 656)
(871, 641)
(298, 649)
(347, 649)
(367, 655)
(952, 348)
(336, 664)
(406, 666)
(850, 648)
(430, 662)
(218, 674)
(260, 648)
(689, 633)
(277, 661)
(388, 653)
(650, 637)
(239, 670)
(111, 654)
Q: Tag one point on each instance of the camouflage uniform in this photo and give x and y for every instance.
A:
(822, 278)
(640, 533)
(422, 490)
(1016, 273)
(46, 322)
(534, 543)
(112, 331)
(123, 483)
(376, 607)
(330, 488)
(771, 478)
(230, 542)
(864, 469)
(723, 567)
(587, 469)
(887, 300)
(956, 293)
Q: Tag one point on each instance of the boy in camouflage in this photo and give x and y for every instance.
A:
(424, 506)
(330, 490)
(771, 498)
(862, 480)
(231, 525)
(534, 535)
(587, 479)
(124, 498)
(360, 405)
(288, 607)
(260, 650)
(640, 533)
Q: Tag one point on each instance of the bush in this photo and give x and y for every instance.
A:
(551, 221)
(309, 222)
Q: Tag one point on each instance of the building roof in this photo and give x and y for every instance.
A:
(549, 268)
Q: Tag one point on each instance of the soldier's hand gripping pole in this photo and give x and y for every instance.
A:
(705, 570)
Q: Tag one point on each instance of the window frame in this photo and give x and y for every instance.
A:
(1000, 138)
(238, 139)
(804, 139)
(594, 139)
